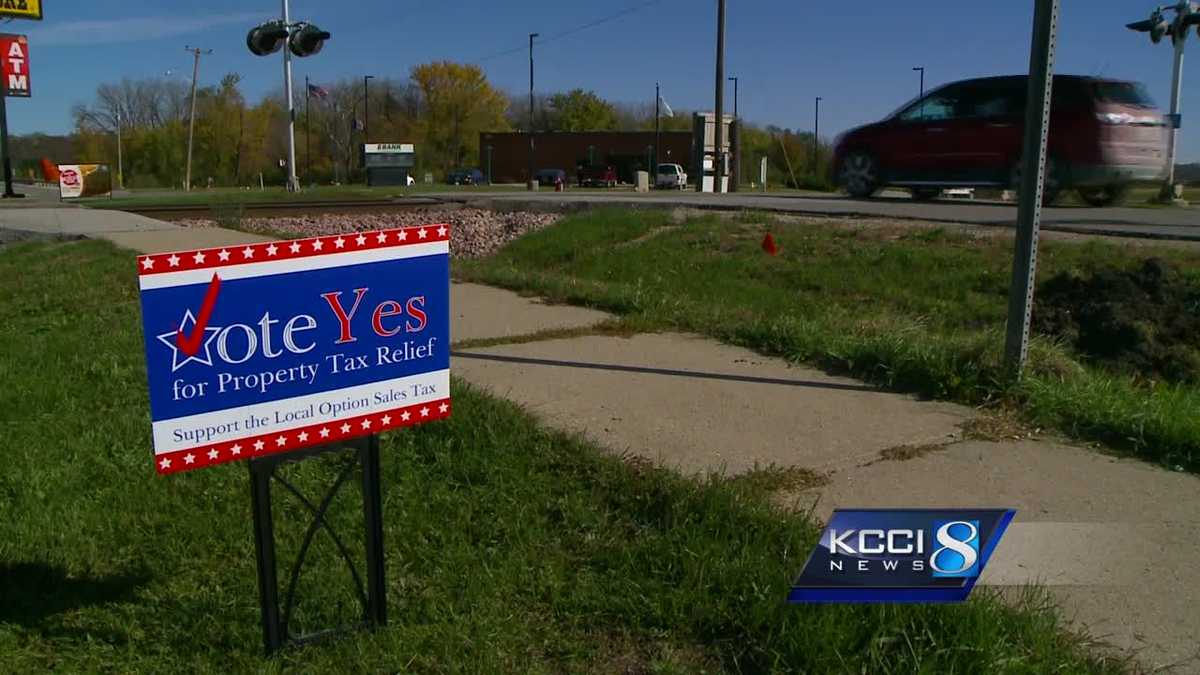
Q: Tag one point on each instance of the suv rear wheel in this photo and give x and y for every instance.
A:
(1103, 196)
(860, 174)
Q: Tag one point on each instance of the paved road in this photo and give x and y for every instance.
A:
(1163, 223)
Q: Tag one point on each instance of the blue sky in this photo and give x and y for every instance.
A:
(785, 51)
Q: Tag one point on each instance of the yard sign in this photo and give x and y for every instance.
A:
(276, 346)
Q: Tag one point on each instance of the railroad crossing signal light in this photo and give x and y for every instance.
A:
(1191, 19)
(267, 38)
(1156, 26)
(307, 40)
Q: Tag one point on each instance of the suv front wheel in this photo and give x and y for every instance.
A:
(1051, 182)
(859, 173)
(1103, 196)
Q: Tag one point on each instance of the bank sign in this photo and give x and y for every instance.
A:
(276, 346)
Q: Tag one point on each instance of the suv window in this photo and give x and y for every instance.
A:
(989, 100)
(942, 105)
(666, 168)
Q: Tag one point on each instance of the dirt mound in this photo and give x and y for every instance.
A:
(1144, 321)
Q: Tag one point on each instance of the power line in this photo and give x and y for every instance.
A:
(571, 31)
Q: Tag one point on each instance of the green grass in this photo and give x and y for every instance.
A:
(920, 310)
(509, 548)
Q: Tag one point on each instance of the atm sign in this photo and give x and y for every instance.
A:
(14, 65)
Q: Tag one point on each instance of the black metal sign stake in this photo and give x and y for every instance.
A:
(275, 620)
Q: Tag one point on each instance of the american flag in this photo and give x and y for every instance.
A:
(319, 92)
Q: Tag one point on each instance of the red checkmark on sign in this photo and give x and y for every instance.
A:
(191, 344)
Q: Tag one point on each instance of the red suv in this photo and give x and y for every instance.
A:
(1104, 135)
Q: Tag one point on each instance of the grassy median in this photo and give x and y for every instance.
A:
(510, 548)
(917, 309)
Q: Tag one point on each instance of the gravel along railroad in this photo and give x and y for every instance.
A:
(474, 233)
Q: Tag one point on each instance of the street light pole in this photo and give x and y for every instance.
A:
(921, 88)
(366, 123)
(366, 108)
(530, 184)
(719, 131)
(816, 135)
(196, 52)
(657, 103)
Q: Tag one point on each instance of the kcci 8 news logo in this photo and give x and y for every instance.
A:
(900, 555)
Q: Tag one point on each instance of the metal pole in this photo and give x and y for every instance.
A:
(8, 184)
(530, 184)
(719, 131)
(366, 123)
(293, 184)
(816, 135)
(264, 548)
(489, 164)
(373, 520)
(1168, 189)
(120, 163)
(307, 132)
(367, 108)
(1033, 160)
(187, 180)
(657, 155)
(921, 88)
(737, 150)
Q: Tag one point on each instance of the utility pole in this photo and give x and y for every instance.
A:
(1033, 167)
(719, 131)
(531, 184)
(293, 184)
(196, 52)
(816, 135)
(120, 164)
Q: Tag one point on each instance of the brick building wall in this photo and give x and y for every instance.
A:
(626, 151)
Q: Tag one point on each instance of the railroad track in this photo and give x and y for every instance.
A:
(271, 209)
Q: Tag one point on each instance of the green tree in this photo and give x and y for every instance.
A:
(579, 110)
(457, 102)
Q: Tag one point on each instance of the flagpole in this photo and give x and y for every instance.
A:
(657, 99)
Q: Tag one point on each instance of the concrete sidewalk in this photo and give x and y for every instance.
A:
(1115, 541)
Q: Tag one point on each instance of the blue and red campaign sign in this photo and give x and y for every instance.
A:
(276, 346)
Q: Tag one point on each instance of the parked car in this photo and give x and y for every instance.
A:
(596, 176)
(670, 176)
(1104, 135)
(466, 177)
(551, 177)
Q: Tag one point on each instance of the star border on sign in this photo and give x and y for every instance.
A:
(168, 339)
